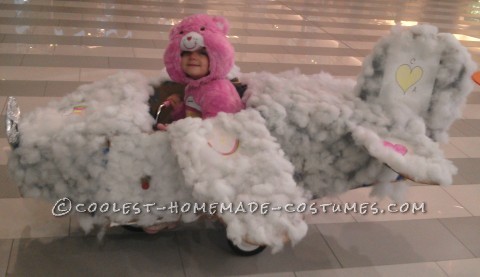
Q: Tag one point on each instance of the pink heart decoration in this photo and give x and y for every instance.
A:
(396, 147)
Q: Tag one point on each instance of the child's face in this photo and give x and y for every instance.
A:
(196, 63)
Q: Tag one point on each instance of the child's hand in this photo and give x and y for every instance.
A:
(175, 100)
(162, 127)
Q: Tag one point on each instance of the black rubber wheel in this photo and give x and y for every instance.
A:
(246, 249)
(133, 228)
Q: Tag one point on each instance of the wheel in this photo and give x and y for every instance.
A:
(151, 230)
(132, 228)
(246, 249)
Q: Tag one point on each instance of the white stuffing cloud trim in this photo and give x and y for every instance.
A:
(440, 94)
(430, 167)
(234, 159)
(310, 117)
(301, 136)
(63, 143)
(399, 96)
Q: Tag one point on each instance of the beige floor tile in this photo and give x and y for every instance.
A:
(22, 88)
(113, 18)
(148, 53)
(30, 218)
(127, 255)
(360, 44)
(28, 104)
(417, 269)
(14, 48)
(421, 202)
(201, 250)
(8, 188)
(467, 195)
(318, 60)
(59, 88)
(95, 74)
(471, 111)
(5, 149)
(254, 57)
(465, 229)
(49, 15)
(288, 42)
(3, 103)
(41, 49)
(398, 242)
(276, 274)
(149, 73)
(101, 51)
(67, 31)
(39, 73)
(468, 169)
(451, 151)
(469, 146)
(16, 29)
(5, 249)
(9, 13)
(457, 268)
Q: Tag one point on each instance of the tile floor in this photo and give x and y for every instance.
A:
(49, 47)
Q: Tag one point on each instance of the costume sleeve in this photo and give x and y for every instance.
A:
(179, 112)
(220, 97)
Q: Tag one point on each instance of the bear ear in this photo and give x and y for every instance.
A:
(222, 24)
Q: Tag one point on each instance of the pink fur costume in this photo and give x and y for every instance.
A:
(213, 93)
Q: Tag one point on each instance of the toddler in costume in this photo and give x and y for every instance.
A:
(200, 56)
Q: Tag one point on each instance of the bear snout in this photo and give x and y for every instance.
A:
(191, 42)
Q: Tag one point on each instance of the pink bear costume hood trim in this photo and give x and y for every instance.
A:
(203, 31)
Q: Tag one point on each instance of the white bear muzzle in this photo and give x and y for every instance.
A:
(191, 42)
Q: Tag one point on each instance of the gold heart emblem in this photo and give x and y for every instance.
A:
(407, 77)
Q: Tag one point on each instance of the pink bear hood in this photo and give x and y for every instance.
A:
(213, 93)
(213, 31)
